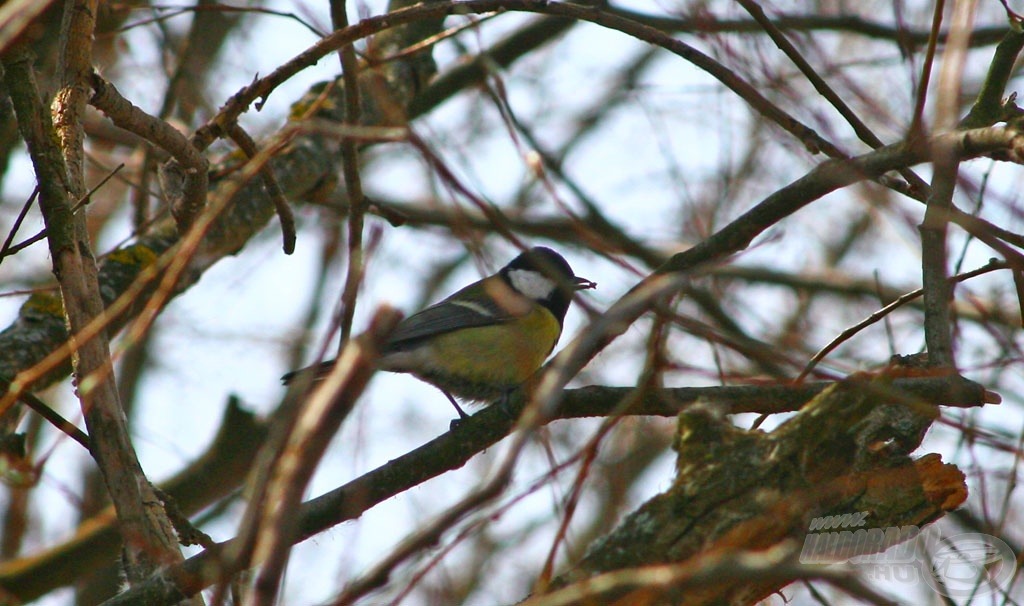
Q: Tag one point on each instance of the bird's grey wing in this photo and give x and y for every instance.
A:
(446, 316)
(442, 317)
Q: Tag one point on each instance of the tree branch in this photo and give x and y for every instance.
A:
(482, 430)
(214, 475)
(743, 491)
(148, 538)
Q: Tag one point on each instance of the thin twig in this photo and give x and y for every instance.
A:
(862, 130)
(185, 178)
(316, 423)
(54, 418)
(284, 212)
(353, 181)
(916, 130)
(938, 292)
(81, 203)
(884, 312)
(778, 563)
(17, 223)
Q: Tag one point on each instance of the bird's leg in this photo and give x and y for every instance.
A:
(504, 403)
(458, 409)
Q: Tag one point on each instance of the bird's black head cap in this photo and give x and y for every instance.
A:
(555, 268)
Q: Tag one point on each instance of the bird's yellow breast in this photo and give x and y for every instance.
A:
(503, 354)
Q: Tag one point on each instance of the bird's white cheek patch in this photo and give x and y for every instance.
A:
(531, 283)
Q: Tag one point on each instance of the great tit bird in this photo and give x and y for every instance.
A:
(489, 337)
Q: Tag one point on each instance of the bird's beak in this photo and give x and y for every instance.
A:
(579, 283)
